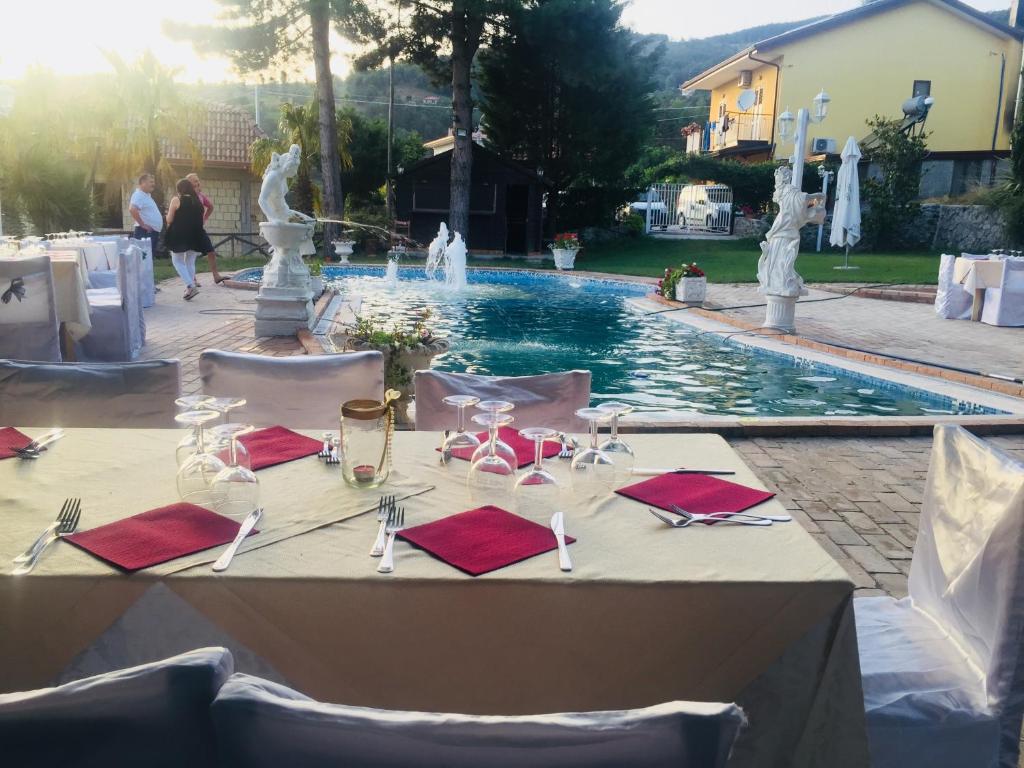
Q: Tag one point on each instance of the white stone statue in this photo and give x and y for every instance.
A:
(776, 269)
(435, 251)
(275, 187)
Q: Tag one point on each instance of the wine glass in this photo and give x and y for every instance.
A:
(460, 438)
(225, 405)
(189, 444)
(593, 470)
(236, 489)
(500, 447)
(221, 437)
(491, 474)
(536, 492)
(196, 474)
(614, 446)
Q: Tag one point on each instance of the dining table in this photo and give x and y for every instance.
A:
(758, 615)
(976, 275)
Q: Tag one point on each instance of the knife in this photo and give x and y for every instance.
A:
(247, 525)
(670, 471)
(558, 526)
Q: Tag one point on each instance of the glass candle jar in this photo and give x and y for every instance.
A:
(366, 427)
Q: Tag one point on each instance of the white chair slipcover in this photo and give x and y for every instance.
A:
(259, 723)
(138, 394)
(118, 326)
(952, 300)
(1005, 305)
(154, 715)
(545, 400)
(146, 279)
(28, 328)
(303, 391)
(113, 245)
(943, 669)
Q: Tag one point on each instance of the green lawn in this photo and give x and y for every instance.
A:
(725, 261)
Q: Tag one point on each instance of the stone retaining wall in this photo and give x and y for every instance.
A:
(956, 228)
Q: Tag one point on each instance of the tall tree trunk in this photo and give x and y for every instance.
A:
(330, 162)
(463, 49)
(389, 192)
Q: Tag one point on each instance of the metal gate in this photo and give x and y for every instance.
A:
(686, 208)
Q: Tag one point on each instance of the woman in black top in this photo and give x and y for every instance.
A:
(184, 237)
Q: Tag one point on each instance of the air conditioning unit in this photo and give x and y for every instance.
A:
(823, 146)
(746, 77)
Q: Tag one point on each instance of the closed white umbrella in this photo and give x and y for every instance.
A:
(846, 214)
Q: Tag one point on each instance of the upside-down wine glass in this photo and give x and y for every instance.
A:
(614, 446)
(460, 438)
(593, 470)
(536, 492)
(490, 475)
(236, 489)
(225, 405)
(195, 477)
(189, 444)
(500, 447)
(222, 437)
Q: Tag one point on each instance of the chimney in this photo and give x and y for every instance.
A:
(1016, 14)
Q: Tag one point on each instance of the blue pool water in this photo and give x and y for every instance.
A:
(512, 323)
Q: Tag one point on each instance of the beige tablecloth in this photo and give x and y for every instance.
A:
(977, 274)
(69, 283)
(762, 616)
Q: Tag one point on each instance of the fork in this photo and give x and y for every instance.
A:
(63, 529)
(384, 508)
(685, 522)
(568, 449)
(723, 515)
(37, 446)
(396, 523)
(70, 507)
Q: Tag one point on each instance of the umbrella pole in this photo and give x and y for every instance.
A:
(846, 261)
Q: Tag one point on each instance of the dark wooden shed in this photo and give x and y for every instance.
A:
(506, 203)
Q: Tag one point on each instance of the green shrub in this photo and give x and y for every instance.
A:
(633, 224)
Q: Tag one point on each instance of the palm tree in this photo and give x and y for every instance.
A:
(300, 124)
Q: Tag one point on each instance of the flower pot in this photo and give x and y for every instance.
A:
(692, 290)
(401, 365)
(565, 258)
(316, 284)
(343, 249)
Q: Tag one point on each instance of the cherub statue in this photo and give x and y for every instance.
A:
(776, 270)
(275, 187)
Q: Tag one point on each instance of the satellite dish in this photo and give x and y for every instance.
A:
(746, 100)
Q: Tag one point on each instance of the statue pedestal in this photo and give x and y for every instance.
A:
(284, 304)
(781, 313)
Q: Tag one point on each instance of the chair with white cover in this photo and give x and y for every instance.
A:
(1005, 305)
(943, 669)
(29, 329)
(118, 326)
(146, 278)
(302, 391)
(545, 400)
(113, 245)
(259, 723)
(154, 715)
(952, 300)
(140, 394)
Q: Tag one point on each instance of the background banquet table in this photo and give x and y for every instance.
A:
(761, 616)
(976, 275)
(69, 283)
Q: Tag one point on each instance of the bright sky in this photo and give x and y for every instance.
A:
(68, 36)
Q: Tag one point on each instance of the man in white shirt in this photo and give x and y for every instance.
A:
(144, 210)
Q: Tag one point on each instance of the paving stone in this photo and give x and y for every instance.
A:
(888, 546)
(879, 512)
(868, 593)
(904, 534)
(869, 559)
(893, 583)
(897, 503)
(839, 502)
(908, 492)
(819, 511)
(840, 532)
(861, 522)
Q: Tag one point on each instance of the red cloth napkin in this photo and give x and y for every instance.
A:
(10, 438)
(482, 540)
(524, 448)
(276, 445)
(157, 536)
(702, 494)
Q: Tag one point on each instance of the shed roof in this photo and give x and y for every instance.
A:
(223, 135)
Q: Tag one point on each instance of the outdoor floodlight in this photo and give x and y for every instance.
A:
(461, 133)
(821, 106)
(786, 121)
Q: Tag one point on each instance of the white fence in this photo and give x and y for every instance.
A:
(685, 208)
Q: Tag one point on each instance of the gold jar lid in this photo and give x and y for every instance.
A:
(363, 409)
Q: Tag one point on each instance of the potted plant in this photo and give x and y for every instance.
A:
(316, 280)
(691, 284)
(565, 248)
(406, 350)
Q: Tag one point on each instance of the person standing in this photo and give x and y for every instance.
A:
(211, 254)
(145, 213)
(185, 237)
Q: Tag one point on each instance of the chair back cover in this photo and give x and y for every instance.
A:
(545, 400)
(137, 394)
(1005, 305)
(146, 279)
(968, 566)
(153, 715)
(952, 300)
(301, 391)
(260, 723)
(28, 328)
(129, 267)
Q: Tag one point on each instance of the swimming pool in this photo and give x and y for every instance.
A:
(517, 322)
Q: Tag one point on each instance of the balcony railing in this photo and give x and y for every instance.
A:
(739, 128)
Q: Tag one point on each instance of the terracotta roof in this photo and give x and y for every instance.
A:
(223, 136)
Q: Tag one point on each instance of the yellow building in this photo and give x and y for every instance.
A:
(870, 60)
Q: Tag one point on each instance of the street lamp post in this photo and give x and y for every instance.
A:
(803, 118)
